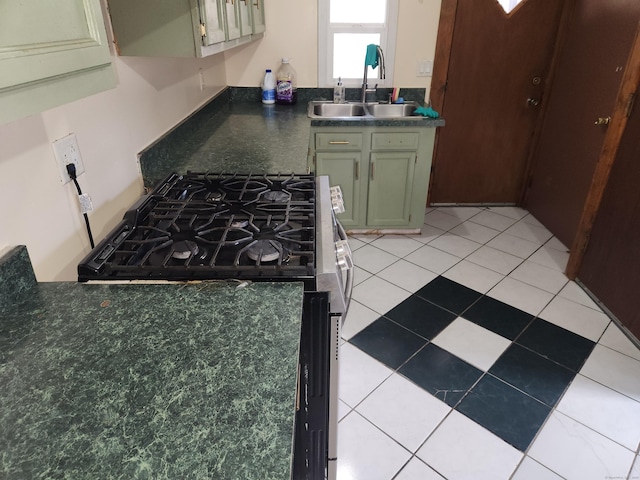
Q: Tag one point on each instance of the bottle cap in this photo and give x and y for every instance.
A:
(285, 60)
(268, 70)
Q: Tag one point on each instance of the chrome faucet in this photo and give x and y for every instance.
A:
(381, 75)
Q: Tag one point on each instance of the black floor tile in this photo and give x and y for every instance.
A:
(388, 342)
(421, 317)
(556, 343)
(498, 317)
(533, 374)
(440, 373)
(448, 294)
(503, 410)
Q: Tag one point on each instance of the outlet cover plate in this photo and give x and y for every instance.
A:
(67, 151)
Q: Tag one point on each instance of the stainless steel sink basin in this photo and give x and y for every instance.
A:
(337, 109)
(329, 110)
(391, 109)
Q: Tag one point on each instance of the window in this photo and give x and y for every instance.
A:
(345, 28)
(509, 5)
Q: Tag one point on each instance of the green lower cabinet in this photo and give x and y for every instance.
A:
(390, 188)
(343, 169)
(383, 173)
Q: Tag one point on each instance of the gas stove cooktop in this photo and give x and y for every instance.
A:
(208, 226)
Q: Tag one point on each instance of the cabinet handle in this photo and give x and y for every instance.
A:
(257, 5)
(373, 170)
(357, 170)
(339, 142)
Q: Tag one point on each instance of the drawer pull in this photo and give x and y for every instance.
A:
(339, 142)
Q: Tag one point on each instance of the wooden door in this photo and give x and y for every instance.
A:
(585, 85)
(611, 264)
(496, 62)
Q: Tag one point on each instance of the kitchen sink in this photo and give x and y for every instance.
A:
(328, 110)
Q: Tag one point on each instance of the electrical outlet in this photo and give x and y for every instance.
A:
(67, 151)
(201, 79)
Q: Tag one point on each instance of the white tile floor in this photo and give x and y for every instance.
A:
(392, 429)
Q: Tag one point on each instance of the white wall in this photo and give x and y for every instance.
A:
(153, 95)
(297, 39)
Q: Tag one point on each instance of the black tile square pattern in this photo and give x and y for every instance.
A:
(498, 317)
(556, 343)
(388, 342)
(441, 373)
(421, 317)
(533, 374)
(505, 411)
(448, 294)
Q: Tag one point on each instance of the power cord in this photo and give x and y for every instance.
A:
(71, 170)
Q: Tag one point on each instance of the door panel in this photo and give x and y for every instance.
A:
(497, 62)
(585, 86)
(343, 169)
(390, 188)
(611, 265)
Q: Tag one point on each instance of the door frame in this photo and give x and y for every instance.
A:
(627, 95)
(442, 58)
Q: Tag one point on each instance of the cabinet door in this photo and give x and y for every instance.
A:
(232, 20)
(258, 15)
(244, 16)
(343, 169)
(212, 22)
(44, 46)
(390, 188)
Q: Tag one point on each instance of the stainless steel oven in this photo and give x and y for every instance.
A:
(271, 227)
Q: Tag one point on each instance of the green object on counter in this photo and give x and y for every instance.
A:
(426, 112)
(371, 59)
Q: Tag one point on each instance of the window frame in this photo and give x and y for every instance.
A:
(326, 31)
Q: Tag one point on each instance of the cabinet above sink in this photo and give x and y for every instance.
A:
(184, 28)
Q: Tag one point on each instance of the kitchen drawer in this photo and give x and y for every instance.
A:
(339, 141)
(395, 141)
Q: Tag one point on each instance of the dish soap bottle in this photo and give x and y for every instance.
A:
(338, 92)
(268, 88)
(286, 89)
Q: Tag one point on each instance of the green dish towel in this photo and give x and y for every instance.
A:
(372, 56)
(426, 112)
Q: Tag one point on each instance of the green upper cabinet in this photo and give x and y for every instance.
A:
(51, 53)
(181, 28)
(257, 15)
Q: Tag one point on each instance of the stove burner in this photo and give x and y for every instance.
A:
(276, 196)
(240, 224)
(215, 197)
(184, 249)
(265, 251)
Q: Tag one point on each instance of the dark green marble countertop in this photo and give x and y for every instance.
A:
(236, 133)
(192, 381)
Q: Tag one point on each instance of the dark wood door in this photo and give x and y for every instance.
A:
(611, 265)
(585, 85)
(497, 61)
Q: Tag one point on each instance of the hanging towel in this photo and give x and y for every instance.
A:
(372, 56)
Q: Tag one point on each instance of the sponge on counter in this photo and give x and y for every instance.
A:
(426, 112)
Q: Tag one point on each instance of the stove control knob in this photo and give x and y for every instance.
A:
(343, 255)
(337, 201)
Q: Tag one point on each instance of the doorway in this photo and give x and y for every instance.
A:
(491, 74)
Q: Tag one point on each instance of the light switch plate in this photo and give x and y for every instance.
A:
(425, 68)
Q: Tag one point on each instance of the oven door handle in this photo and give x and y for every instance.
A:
(348, 284)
